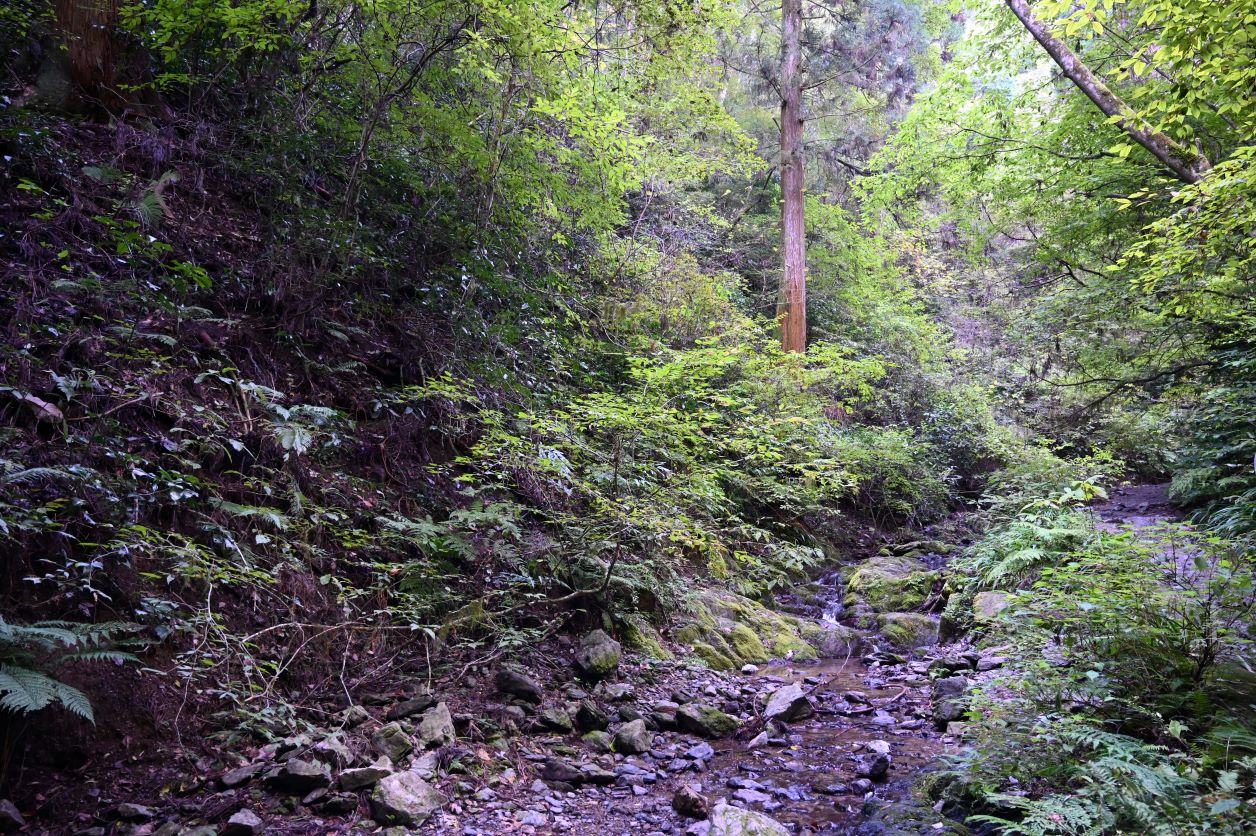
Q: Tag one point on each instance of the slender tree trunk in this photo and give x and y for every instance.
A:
(792, 308)
(1185, 164)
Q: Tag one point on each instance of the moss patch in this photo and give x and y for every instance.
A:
(890, 583)
(637, 634)
(728, 631)
(907, 630)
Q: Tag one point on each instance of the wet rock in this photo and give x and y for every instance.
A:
(597, 656)
(789, 704)
(633, 738)
(133, 812)
(243, 823)
(412, 706)
(436, 727)
(405, 799)
(732, 821)
(701, 752)
(705, 721)
(298, 777)
(10, 818)
(591, 718)
(518, 684)
(352, 780)
(555, 719)
(872, 767)
(392, 741)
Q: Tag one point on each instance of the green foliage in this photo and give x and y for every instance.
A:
(30, 656)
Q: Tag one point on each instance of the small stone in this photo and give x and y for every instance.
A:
(354, 715)
(597, 656)
(243, 823)
(240, 776)
(436, 727)
(591, 718)
(392, 741)
(298, 777)
(10, 818)
(518, 684)
(556, 769)
(690, 803)
(872, 767)
(758, 741)
(555, 719)
(989, 663)
(411, 707)
(633, 738)
(953, 686)
(749, 668)
(618, 691)
(700, 752)
(339, 803)
(749, 796)
(599, 740)
(352, 780)
(134, 812)
(534, 818)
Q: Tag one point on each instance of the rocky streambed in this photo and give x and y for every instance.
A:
(743, 721)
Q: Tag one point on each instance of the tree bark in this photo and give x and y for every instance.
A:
(1185, 164)
(110, 73)
(792, 308)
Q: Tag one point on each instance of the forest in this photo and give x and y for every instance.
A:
(713, 417)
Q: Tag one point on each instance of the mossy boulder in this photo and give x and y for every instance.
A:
(891, 583)
(639, 635)
(597, 656)
(705, 721)
(908, 630)
(727, 631)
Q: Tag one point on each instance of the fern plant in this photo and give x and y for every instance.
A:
(31, 654)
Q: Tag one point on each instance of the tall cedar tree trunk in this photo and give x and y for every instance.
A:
(793, 300)
(110, 74)
(1185, 164)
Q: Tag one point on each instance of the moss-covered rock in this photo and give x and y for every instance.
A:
(639, 635)
(891, 583)
(727, 631)
(988, 605)
(907, 630)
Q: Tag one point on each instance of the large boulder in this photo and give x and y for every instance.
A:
(405, 799)
(597, 656)
(727, 631)
(705, 721)
(789, 704)
(908, 630)
(733, 821)
(891, 583)
(518, 684)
